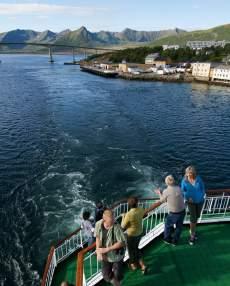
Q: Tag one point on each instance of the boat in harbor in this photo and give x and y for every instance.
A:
(72, 63)
(183, 265)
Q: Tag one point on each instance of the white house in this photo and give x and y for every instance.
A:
(149, 60)
(221, 73)
(172, 47)
(198, 45)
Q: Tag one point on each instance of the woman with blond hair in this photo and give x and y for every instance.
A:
(194, 194)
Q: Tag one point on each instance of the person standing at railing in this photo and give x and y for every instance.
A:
(110, 247)
(100, 208)
(194, 194)
(87, 228)
(172, 195)
(132, 223)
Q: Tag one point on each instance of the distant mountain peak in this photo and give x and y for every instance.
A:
(128, 37)
(83, 28)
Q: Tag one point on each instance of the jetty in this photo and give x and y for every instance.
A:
(72, 63)
(98, 71)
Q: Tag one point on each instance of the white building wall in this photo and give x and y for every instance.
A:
(151, 58)
(167, 47)
(197, 45)
(221, 73)
(201, 69)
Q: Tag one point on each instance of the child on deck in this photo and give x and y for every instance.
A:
(87, 228)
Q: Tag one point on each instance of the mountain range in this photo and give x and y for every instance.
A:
(84, 37)
(218, 33)
(126, 38)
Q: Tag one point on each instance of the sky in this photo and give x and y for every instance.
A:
(113, 15)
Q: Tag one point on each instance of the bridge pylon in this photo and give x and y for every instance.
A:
(50, 55)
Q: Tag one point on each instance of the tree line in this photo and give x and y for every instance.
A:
(138, 55)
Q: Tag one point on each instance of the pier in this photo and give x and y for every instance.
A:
(101, 72)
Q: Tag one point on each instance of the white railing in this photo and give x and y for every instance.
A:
(51, 270)
(69, 246)
(215, 209)
(123, 206)
(63, 250)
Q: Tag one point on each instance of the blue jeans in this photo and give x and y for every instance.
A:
(171, 220)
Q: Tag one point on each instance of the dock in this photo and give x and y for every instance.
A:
(101, 72)
(72, 63)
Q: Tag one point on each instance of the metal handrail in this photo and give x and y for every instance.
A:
(75, 241)
(49, 268)
(215, 208)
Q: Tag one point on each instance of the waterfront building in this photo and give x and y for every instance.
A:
(172, 47)
(149, 60)
(198, 45)
(221, 73)
(107, 66)
(132, 67)
(161, 62)
(201, 70)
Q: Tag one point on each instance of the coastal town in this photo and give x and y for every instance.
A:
(161, 68)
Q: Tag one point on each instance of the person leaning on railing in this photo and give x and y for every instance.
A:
(110, 247)
(87, 228)
(132, 223)
(176, 207)
(194, 194)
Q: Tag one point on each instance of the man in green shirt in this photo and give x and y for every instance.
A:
(110, 248)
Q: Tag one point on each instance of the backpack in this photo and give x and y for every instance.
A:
(120, 251)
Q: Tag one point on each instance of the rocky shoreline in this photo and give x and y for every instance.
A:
(179, 77)
(156, 77)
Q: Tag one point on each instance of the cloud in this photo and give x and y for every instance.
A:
(36, 8)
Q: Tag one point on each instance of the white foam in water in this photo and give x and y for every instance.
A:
(17, 272)
(116, 148)
(77, 175)
(70, 200)
(146, 171)
(50, 176)
(146, 184)
(72, 140)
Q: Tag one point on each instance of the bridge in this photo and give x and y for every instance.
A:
(51, 46)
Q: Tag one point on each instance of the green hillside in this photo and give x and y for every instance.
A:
(217, 34)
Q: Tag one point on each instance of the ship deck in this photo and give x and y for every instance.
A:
(204, 264)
